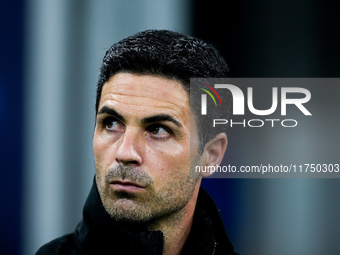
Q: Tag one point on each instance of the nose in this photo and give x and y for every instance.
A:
(129, 148)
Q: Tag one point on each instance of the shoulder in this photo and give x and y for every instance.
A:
(63, 245)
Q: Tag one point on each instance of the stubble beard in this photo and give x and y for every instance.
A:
(148, 206)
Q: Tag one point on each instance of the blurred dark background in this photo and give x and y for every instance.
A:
(273, 38)
(257, 38)
(11, 125)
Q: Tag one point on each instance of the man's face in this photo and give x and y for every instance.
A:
(142, 148)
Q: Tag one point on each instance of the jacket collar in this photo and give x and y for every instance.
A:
(208, 234)
(98, 233)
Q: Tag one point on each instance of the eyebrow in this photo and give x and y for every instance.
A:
(146, 120)
(161, 117)
(112, 112)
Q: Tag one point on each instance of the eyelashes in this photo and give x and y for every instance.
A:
(159, 131)
(154, 130)
(112, 124)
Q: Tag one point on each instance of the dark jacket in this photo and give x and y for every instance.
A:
(98, 234)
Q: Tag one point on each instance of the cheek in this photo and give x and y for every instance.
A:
(103, 152)
(164, 166)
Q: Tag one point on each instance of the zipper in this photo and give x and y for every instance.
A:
(163, 243)
(214, 248)
(161, 247)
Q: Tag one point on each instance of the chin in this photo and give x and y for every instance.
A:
(127, 210)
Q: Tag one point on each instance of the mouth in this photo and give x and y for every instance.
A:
(126, 186)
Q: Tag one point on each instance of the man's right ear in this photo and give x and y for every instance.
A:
(213, 152)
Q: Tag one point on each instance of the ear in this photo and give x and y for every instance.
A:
(214, 152)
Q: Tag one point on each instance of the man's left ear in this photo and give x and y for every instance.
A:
(214, 151)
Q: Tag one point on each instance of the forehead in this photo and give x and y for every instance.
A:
(144, 91)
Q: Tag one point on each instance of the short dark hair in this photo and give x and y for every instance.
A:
(165, 54)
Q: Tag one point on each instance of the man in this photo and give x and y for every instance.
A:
(144, 199)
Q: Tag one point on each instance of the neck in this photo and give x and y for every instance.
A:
(176, 227)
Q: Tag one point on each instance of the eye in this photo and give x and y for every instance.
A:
(112, 124)
(159, 131)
